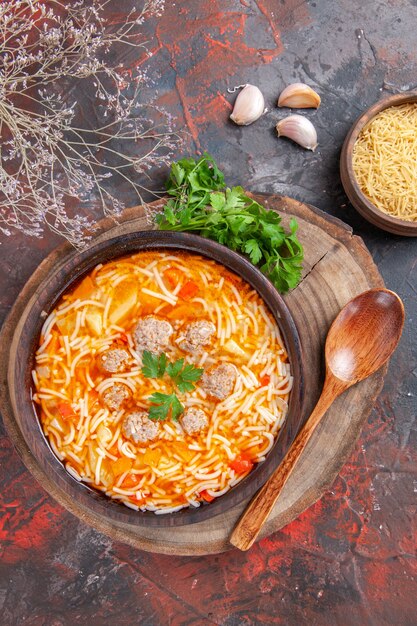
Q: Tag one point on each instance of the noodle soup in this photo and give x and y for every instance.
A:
(161, 380)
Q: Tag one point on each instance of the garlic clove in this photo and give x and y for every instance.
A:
(300, 130)
(299, 96)
(249, 106)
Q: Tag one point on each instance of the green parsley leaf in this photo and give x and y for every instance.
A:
(234, 198)
(199, 202)
(163, 404)
(173, 369)
(178, 173)
(153, 365)
(217, 201)
(252, 248)
(238, 224)
(169, 214)
(184, 375)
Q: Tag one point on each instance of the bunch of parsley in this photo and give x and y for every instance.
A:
(200, 202)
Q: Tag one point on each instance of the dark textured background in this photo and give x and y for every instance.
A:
(351, 558)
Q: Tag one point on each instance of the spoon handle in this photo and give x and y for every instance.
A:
(258, 510)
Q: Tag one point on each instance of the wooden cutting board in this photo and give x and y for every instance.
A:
(337, 267)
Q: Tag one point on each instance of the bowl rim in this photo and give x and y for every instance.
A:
(25, 342)
(355, 194)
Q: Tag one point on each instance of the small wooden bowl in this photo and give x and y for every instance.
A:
(25, 343)
(361, 203)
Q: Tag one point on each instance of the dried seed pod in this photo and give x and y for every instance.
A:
(299, 96)
(249, 106)
(300, 130)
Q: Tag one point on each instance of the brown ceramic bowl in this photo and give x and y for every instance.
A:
(26, 340)
(361, 203)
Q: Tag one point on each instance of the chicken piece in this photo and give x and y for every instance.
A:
(139, 428)
(114, 396)
(113, 361)
(152, 334)
(193, 420)
(198, 334)
(219, 380)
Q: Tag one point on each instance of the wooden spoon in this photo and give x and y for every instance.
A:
(361, 339)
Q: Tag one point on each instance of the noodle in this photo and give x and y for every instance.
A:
(385, 161)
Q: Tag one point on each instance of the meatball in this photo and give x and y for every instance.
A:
(198, 334)
(193, 420)
(152, 334)
(219, 380)
(114, 360)
(138, 427)
(114, 396)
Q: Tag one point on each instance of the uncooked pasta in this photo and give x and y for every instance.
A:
(385, 161)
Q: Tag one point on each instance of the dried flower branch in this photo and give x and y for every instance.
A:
(48, 156)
